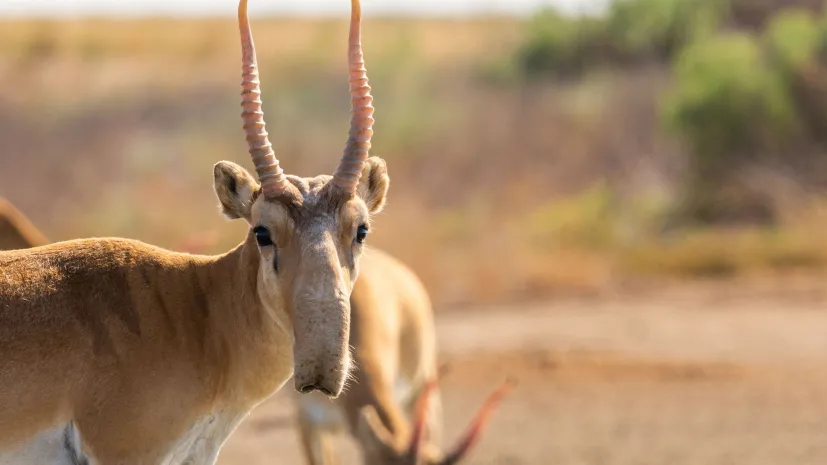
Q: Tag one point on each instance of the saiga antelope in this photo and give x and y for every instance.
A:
(394, 399)
(113, 351)
(393, 341)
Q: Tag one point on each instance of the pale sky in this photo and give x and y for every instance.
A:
(19, 8)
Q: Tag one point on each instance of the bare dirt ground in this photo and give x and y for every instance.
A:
(689, 377)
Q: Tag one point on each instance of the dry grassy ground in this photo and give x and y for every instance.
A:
(695, 376)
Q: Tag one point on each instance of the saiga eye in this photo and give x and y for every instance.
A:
(262, 236)
(361, 233)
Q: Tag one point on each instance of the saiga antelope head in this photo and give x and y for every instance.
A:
(309, 231)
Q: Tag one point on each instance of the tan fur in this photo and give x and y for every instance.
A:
(393, 339)
(134, 346)
(16, 231)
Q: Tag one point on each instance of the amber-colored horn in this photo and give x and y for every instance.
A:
(361, 114)
(269, 173)
(420, 418)
(478, 424)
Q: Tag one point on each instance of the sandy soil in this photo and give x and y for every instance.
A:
(671, 378)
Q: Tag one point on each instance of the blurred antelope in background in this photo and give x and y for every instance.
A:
(16, 231)
(114, 351)
(393, 406)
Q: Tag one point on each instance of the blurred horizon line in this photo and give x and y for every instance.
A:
(128, 9)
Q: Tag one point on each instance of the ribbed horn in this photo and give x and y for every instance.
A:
(269, 173)
(361, 113)
(420, 419)
(478, 424)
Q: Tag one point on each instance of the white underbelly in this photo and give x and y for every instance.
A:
(61, 445)
(202, 442)
(58, 445)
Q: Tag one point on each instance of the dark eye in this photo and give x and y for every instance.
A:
(262, 236)
(361, 233)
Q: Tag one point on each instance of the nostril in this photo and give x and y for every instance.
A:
(326, 392)
(308, 388)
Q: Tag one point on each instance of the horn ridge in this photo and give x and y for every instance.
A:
(357, 148)
(270, 174)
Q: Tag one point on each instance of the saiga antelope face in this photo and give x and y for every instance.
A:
(309, 231)
(310, 248)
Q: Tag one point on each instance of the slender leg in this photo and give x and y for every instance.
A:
(316, 442)
(435, 418)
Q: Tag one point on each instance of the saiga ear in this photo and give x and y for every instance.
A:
(374, 183)
(236, 190)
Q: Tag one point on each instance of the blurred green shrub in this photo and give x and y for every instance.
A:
(631, 31)
(792, 37)
(754, 15)
(821, 47)
(728, 105)
(560, 45)
(750, 82)
(726, 97)
(642, 29)
(797, 46)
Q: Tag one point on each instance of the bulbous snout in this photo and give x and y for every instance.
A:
(321, 355)
(326, 374)
(311, 381)
(321, 318)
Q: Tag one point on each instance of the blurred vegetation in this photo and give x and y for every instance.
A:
(747, 84)
(724, 98)
(664, 138)
(630, 32)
